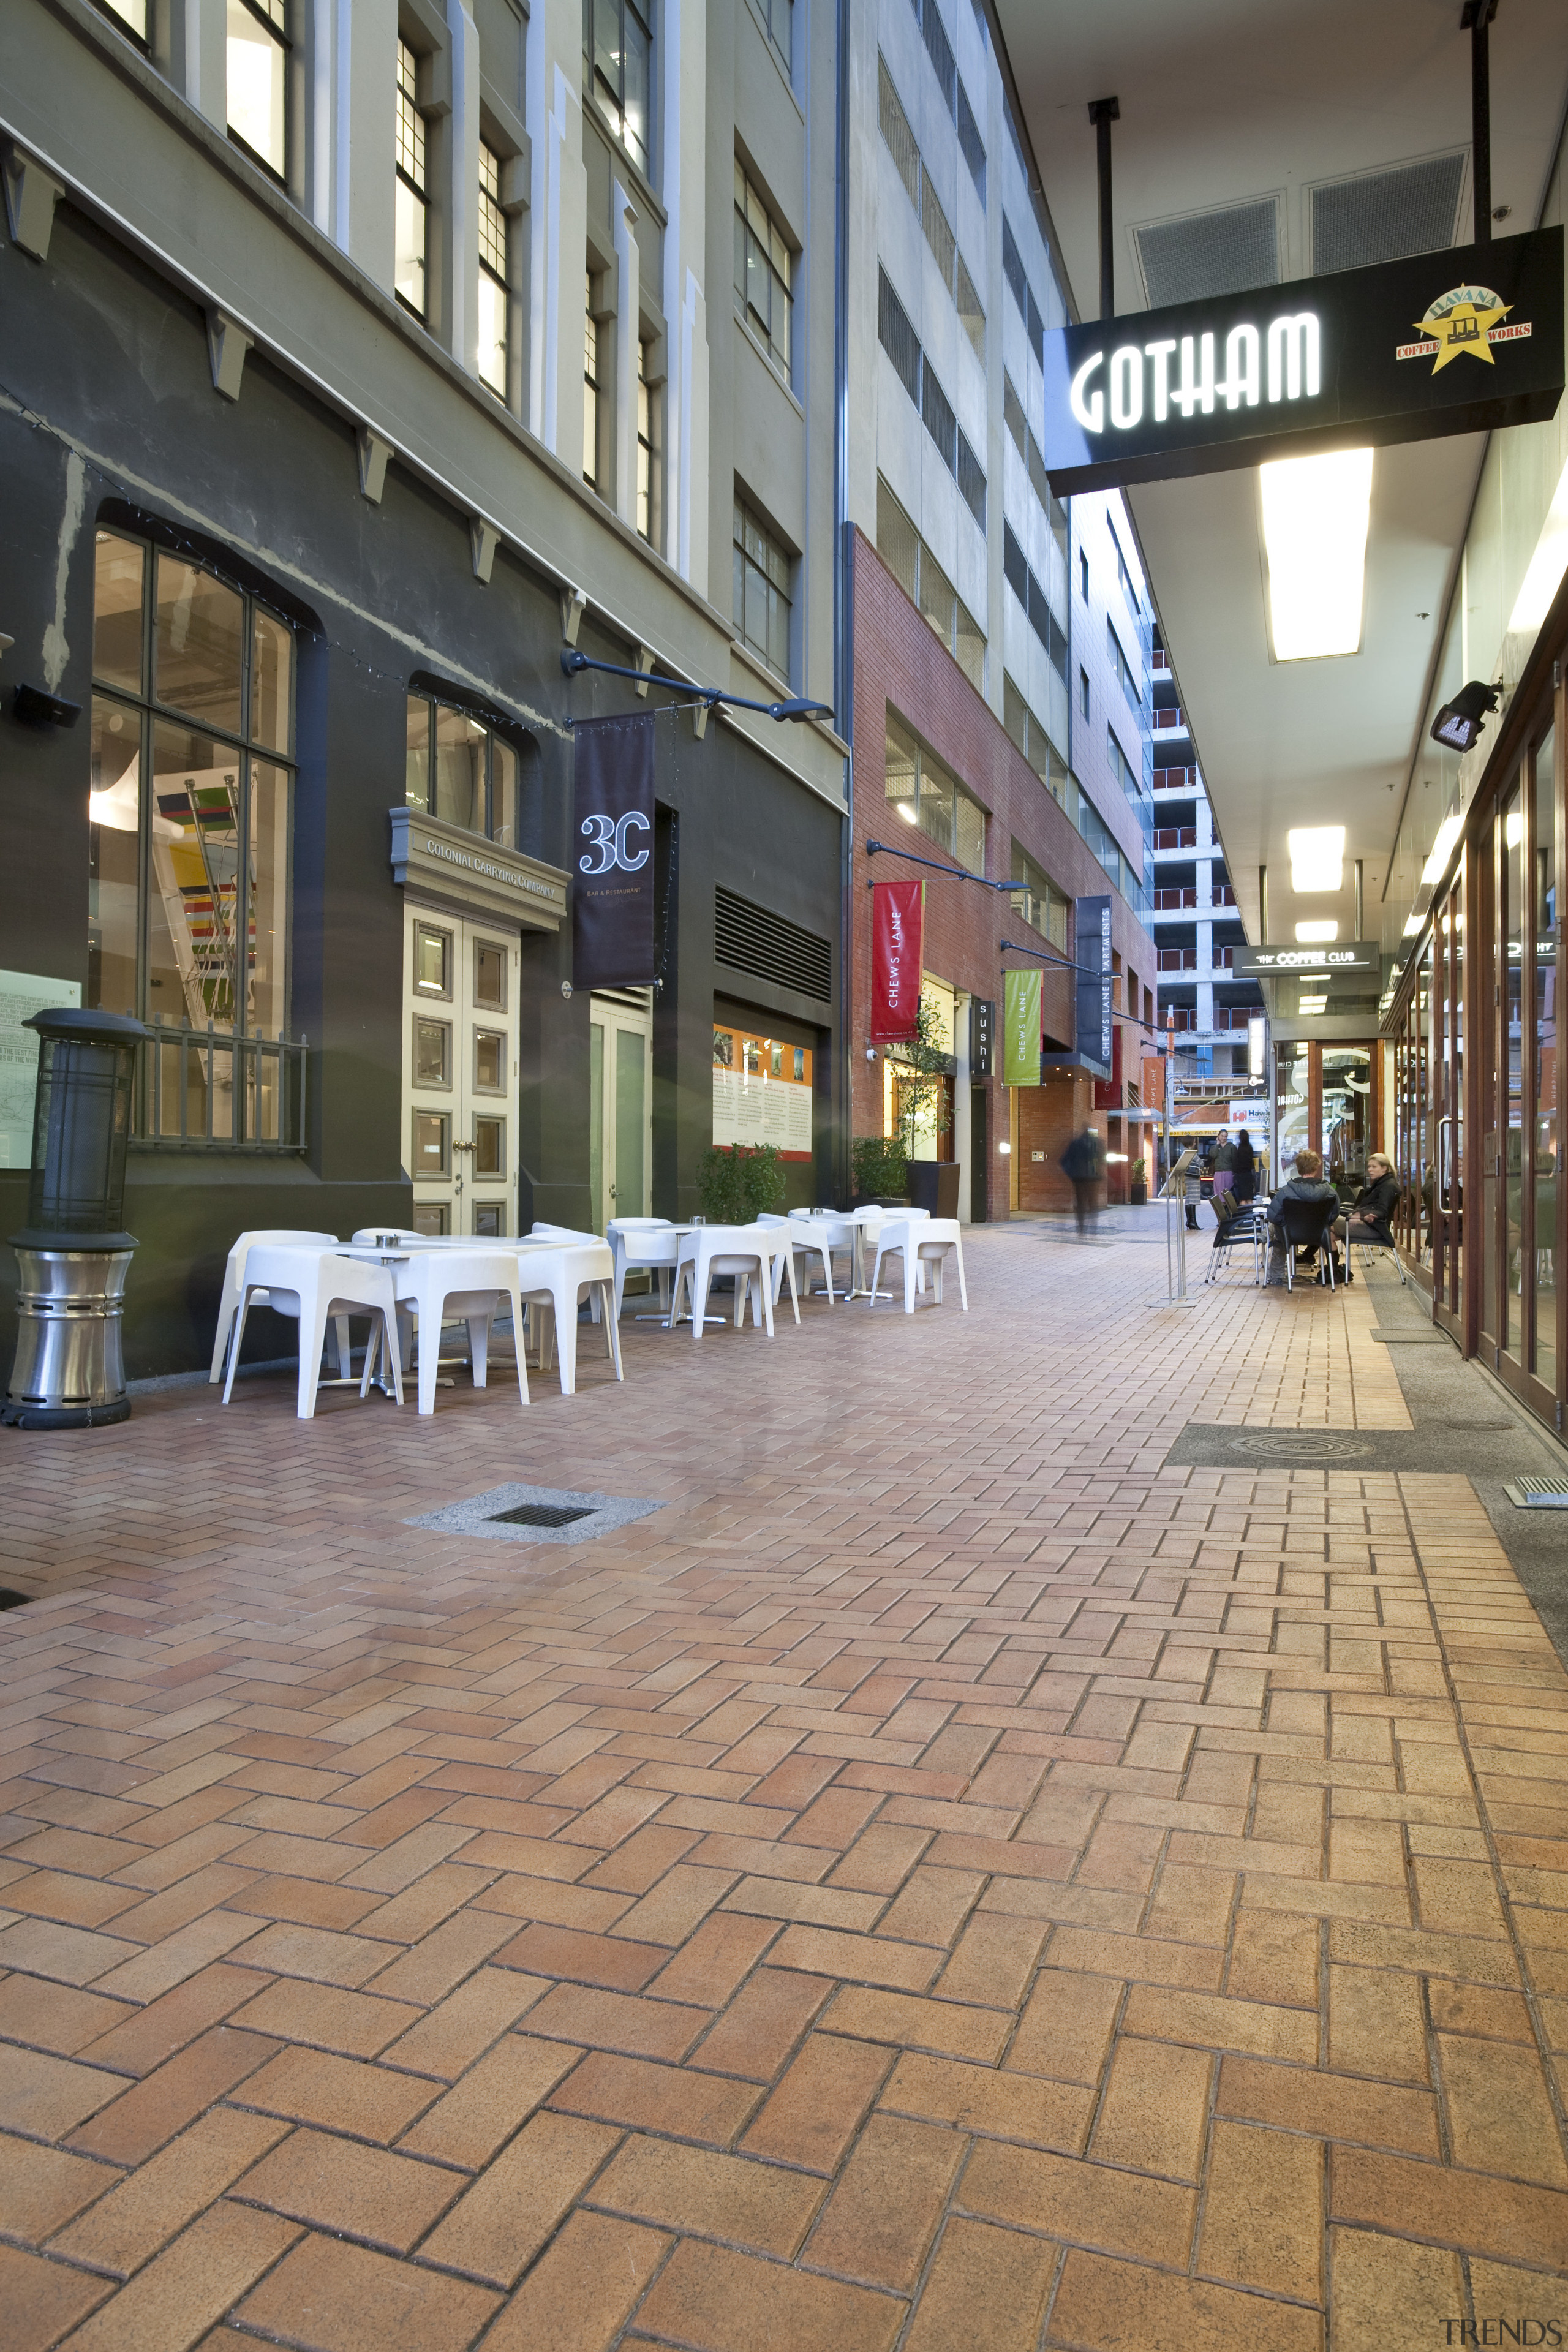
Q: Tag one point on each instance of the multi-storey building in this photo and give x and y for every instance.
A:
(1000, 645)
(364, 357)
(1196, 928)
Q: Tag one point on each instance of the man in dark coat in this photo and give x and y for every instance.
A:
(1308, 1183)
(1083, 1163)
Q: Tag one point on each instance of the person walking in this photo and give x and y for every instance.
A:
(1246, 1174)
(1083, 1163)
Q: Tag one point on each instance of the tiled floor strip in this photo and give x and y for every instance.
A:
(942, 1881)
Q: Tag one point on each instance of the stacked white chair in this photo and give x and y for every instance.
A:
(742, 1251)
(281, 1237)
(643, 1245)
(921, 1241)
(316, 1286)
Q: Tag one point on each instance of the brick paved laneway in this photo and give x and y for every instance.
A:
(942, 1882)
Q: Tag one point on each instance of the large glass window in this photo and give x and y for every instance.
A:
(617, 53)
(411, 210)
(593, 391)
(764, 273)
(461, 771)
(778, 15)
(1511, 931)
(130, 15)
(761, 605)
(926, 794)
(650, 452)
(493, 258)
(928, 587)
(1545, 1157)
(1037, 899)
(257, 63)
(190, 796)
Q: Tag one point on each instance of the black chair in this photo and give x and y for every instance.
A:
(1244, 1230)
(1306, 1225)
(1374, 1239)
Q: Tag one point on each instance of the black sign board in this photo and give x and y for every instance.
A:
(1460, 341)
(611, 862)
(981, 1034)
(1092, 1023)
(1306, 962)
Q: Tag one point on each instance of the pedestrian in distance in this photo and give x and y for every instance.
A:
(1083, 1163)
(1246, 1175)
(1223, 1164)
(1193, 1190)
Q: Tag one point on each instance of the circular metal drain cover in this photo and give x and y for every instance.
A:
(1305, 1445)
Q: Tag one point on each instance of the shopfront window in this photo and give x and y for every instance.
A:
(1292, 1125)
(1511, 931)
(461, 771)
(1544, 1081)
(190, 797)
(1347, 1113)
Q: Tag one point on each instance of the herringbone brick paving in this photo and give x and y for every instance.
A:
(943, 1881)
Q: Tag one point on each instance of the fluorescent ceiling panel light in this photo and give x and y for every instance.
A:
(1442, 848)
(1315, 513)
(1547, 566)
(1312, 934)
(1308, 1004)
(1316, 858)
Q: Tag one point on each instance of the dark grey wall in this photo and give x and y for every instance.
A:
(110, 399)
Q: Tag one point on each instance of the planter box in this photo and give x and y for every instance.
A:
(1138, 1194)
(933, 1186)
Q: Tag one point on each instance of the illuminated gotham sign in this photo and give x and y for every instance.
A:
(1319, 364)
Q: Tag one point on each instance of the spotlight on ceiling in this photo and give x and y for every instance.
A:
(1309, 935)
(1459, 724)
(1317, 857)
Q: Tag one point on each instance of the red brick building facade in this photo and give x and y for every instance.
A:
(902, 669)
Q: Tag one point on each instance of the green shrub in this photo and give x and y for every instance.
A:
(881, 1167)
(739, 1182)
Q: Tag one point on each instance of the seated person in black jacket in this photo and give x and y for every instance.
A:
(1372, 1211)
(1308, 1183)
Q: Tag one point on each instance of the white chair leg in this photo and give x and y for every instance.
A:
(429, 1360)
(699, 1304)
(912, 1267)
(345, 1353)
(613, 1337)
(871, 1286)
(386, 1333)
(595, 1306)
(228, 1308)
(793, 1291)
(566, 1342)
(962, 1294)
(478, 1347)
(312, 1340)
(664, 1290)
(236, 1336)
(937, 1264)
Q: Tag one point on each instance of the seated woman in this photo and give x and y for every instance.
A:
(1372, 1211)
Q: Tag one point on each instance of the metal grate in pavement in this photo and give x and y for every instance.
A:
(538, 1515)
(1479, 1448)
(1538, 1493)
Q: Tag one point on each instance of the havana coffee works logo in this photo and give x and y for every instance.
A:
(1466, 322)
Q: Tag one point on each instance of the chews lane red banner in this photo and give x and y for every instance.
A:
(898, 912)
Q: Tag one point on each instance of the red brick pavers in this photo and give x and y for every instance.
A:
(943, 1881)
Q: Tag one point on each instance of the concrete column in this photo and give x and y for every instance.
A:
(463, 198)
(560, 220)
(197, 55)
(354, 130)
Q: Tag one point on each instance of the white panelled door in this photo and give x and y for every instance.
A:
(460, 981)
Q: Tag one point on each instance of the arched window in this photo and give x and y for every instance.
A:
(460, 769)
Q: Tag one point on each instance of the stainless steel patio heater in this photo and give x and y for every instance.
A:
(73, 1257)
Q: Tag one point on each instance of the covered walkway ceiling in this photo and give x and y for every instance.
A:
(1259, 103)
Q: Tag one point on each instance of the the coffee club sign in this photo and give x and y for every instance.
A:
(1306, 962)
(1455, 341)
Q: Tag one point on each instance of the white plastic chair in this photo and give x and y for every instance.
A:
(281, 1237)
(782, 1251)
(742, 1251)
(919, 1241)
(643, 1245)
(570, 1233)
(822, 1237)
(554, 1279)
(316, 1287)
(469, 1286)
(870, 1222)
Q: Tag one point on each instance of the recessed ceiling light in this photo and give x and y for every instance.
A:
(1315, 512)
(1311, 934)
(1317, 857)
(1307, 1004)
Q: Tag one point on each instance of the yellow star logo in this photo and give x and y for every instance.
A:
(1463, 329)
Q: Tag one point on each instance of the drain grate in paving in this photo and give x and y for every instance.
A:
(541, 1515)
(1538, 1493)
(537, 1515)
(1480, 1449)
(1415, 1339)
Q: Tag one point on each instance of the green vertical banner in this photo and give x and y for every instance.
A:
(1022, 1028)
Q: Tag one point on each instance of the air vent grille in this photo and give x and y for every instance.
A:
(1222, 252)
(1384, 215)
(770, 947)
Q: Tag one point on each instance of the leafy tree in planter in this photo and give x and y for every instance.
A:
(880, 1166)
(920, 1069)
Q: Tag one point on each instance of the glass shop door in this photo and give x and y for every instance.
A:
(460, 1072)
(1447, 1082)
(620, 1104)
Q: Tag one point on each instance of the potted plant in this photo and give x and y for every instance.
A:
(738, 1181)
(1138, 1184)
(879, 1167)
(923, 1064)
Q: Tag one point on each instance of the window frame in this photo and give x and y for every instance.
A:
(650, 450)
(499, 274)
(897, 732)
(419, 189)
(493, 734)
(593, 391)
(261, 12)
(742, 561)
(612, 106)
(248, 750)
(780, 284)
(111, 15)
